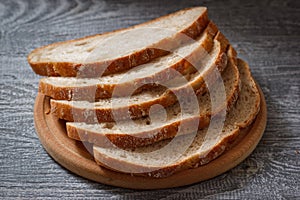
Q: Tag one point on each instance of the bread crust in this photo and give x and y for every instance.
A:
(68, 69)
(67, 111)
(138, 139)
(195, 160)
(157, 172)
(183, 66)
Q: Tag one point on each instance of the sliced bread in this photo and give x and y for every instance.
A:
(185, 59)
(111, 52)
(115, 109)
(149, 130)
(164, 158)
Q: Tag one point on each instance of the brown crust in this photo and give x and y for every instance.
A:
(107, 90)
(67, 111)
(192, 162)
(164, 132)
(68, 69)
(136, 140)
(162, 172)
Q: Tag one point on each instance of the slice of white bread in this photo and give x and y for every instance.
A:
(147, 131)
(109, 110)
(119, 50)
(185, 59)
(206, 146)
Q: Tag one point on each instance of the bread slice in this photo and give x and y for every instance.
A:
(119, 50)
(109, 110)
(147, 131)
(164, 158)
(179, 62)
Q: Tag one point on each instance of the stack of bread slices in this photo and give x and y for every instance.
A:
(153, 99)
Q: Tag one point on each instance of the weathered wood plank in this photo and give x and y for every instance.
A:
(266, 33)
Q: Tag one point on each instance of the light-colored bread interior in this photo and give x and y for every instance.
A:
(115, 44)
(152, 161)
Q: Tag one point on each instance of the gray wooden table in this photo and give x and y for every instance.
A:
(266, 33)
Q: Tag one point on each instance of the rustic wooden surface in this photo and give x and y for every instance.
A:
(266, 33)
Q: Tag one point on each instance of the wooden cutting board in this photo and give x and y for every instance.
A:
(73, 154)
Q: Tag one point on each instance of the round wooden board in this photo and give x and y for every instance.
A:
(73, 155)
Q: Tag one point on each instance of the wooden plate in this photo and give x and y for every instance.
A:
(72, 154)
